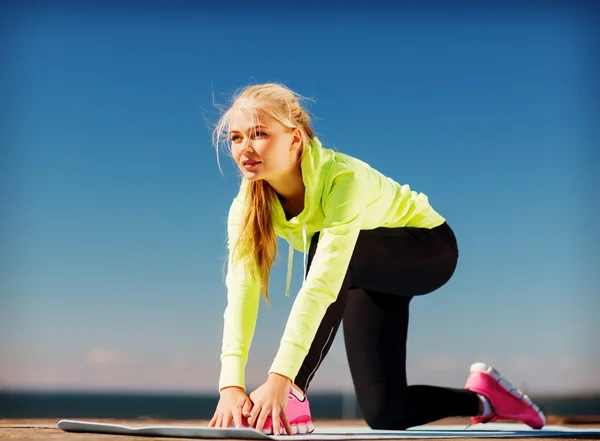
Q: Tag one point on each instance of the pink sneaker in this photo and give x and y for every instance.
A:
(298, 413)
(507, 402)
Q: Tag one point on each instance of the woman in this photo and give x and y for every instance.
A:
(370, 246)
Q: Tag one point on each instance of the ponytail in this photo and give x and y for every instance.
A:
(256, 243)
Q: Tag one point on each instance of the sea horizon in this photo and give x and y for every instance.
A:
(181, 404)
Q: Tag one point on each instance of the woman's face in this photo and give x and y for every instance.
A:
(261, 146)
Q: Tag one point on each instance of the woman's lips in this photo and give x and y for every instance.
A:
(250, 164)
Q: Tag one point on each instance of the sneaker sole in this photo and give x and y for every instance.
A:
(508, 387)
(297, 429)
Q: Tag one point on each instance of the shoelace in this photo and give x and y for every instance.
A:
(486, 420)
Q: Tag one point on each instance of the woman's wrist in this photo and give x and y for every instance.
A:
(278, 378)
(231, 387)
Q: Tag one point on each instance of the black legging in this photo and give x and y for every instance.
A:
(388, 268)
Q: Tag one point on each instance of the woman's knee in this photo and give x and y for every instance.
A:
(384, 406)
(385, 420)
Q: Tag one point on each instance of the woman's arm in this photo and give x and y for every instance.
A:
(343, 206)
(239, 318)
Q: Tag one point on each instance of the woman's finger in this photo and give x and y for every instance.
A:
(213, 420)
(275, 418)
(254, 415)
(286, 423)
(227, 419)
(219, 420)
(262, 417)
(237, 416)
(247, 408)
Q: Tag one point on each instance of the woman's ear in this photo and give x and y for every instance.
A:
(296, 139)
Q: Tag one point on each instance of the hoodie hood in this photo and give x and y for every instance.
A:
(315, 164)
(299, 230)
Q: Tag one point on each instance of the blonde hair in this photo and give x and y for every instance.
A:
(256, 244)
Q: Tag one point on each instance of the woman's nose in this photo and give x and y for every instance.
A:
(247, 146)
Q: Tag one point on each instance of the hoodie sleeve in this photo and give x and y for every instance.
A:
(239, 318)
(343, 207)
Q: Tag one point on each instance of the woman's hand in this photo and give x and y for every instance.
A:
(233, 404)
(270, 400)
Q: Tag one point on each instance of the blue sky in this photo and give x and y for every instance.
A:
(114, 244)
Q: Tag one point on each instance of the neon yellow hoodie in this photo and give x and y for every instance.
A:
(343, 196)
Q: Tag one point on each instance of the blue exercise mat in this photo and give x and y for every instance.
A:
(491, 430)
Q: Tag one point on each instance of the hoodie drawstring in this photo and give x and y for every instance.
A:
(304, 249)
(288, 279)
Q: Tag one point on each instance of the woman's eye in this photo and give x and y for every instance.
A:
(235, 138)
(259, 134)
